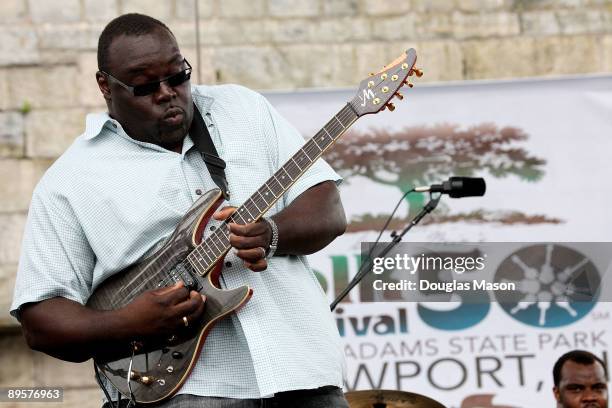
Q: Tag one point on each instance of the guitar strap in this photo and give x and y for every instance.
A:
(203, 142)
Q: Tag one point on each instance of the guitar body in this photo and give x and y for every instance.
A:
(160, 367)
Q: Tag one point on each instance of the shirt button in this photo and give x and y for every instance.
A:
(228, 264)
(198, 191)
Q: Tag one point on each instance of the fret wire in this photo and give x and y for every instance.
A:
(350, 114)
(260, 199)
(270, 190)
(337, 129)
(296, 164)
(315, 140)
(330, 136)
(236, 215)
(290, 168)
(323, 138)
(221, 235)
(304, 155)
(251, 199)
(193, 265)
(244, 207)
(333, 123)
(263, 197)
(202, 255)
(312, 149)
(277, 182)
(341, 124)
(260, 202)
(200, 259)
(345, 114)
(215, 244)
(205, 250)
(283, 169)
(218, 237)
(305, 150)
(195, 255)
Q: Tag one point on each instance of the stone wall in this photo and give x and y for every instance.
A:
(48, 61)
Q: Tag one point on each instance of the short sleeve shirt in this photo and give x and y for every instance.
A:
(109, 200)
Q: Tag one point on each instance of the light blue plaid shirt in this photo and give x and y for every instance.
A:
(109, 199)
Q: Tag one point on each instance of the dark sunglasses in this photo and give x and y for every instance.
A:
(152, 87)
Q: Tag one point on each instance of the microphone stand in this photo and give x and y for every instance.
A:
(367, 267)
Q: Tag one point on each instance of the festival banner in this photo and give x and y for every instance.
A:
(543, 147)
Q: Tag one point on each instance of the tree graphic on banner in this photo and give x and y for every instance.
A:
(425, 155)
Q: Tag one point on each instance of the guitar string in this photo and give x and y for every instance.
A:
(221, 234)
(311, 146)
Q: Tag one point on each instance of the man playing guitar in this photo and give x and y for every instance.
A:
(120, 190)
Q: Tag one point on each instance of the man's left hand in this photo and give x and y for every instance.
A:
(250, 240)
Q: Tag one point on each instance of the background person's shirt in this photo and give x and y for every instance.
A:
(109, 199)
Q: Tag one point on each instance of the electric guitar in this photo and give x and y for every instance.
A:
(154, 370)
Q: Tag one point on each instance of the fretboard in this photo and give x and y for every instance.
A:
(204, 256)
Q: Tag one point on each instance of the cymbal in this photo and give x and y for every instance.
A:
(389, 399)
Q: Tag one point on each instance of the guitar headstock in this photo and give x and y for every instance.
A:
(376, 91)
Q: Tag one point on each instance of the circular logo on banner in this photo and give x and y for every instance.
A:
(556, 285)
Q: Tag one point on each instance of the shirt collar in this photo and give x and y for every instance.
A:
(95, 122)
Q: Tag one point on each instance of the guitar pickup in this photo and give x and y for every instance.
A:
(181, 273)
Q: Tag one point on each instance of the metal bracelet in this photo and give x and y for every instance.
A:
(274, 242)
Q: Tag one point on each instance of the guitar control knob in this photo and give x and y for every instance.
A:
(143, 379)
(146, 380)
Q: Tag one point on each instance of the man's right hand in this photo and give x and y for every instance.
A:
(162, 311)
(73, 332)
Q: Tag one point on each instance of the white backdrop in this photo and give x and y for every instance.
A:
(478, 356)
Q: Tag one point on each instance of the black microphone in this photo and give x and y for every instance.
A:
(457, 187)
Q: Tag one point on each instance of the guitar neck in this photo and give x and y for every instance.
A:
(205, 255)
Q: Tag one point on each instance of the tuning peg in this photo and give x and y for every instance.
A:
(391, 106)
(399, 96)
(408, 84)
(417, 72)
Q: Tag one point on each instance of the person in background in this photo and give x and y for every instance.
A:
(580, 381)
